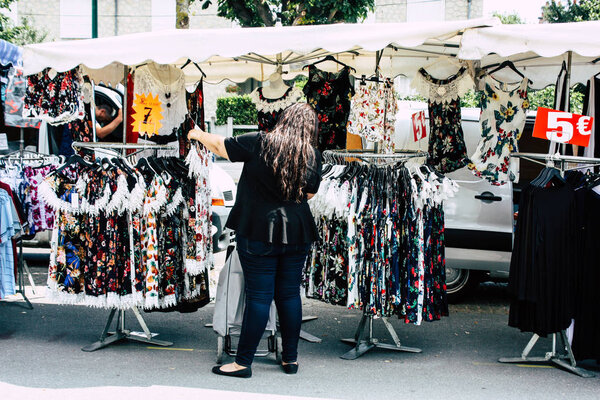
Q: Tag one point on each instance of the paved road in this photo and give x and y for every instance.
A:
(40, 348)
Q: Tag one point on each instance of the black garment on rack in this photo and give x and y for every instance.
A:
(260, 213)
(587, 319)
(543, 266)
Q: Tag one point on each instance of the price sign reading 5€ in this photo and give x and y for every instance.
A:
(147, 115)
(563, 127)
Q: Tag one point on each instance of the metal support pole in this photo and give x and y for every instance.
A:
(94, 19)
(125, 105)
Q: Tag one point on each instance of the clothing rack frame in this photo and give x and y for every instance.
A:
(371, 157)
(22, 267)
(560, 355)
(363, 340)
(121, 333)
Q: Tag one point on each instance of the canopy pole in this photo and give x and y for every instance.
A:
(124, 111)
(568, 94)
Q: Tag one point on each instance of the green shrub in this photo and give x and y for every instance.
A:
(241, 108)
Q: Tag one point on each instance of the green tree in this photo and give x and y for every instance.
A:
(292, 12)
(571, 11)
(21, 34)
(508, 19)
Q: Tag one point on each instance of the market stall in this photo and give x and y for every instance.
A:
(380, 286)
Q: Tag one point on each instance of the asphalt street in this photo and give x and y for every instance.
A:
(40, 354)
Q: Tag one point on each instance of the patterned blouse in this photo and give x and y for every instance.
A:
(503, 115)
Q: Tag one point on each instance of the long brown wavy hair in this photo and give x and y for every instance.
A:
(288, 150)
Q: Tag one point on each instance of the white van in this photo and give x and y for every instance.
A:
(480, 219)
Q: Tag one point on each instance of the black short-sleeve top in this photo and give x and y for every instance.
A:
(260, 212)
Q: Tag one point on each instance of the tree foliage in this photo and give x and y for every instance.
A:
(22, 34)
(571, 11)
(292, 12)
(508, 19)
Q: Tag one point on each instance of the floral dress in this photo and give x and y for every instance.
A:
(447, 149)
(330, 94)
(503, 115)
(40, 215)
(269, 109)
(373, 113)
(54, 97)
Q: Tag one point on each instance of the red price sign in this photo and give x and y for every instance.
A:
(418, 123)
(563, 127)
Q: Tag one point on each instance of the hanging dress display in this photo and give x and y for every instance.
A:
(544, 265)
(330, 93)
(380, 245)
(168, 83)
(447, 148)
(503, 115)
(120, 240)
(194, 118)
(373, 113)
(268, 110)
(54, 97)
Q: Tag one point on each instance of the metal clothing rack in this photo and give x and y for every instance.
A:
(107, 338)
(20, 156)
(561, 356)
(371, 156)
(122, 146)
(363, 340)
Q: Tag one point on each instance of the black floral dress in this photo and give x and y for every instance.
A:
(330, 94)
(447, 148)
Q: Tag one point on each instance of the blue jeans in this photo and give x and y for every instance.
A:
(271, 271)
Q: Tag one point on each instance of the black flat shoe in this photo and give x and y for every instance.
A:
(290, 369)
(242, 373)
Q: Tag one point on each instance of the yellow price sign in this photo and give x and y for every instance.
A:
(147, 114)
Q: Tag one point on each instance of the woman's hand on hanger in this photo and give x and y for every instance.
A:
(212, 142)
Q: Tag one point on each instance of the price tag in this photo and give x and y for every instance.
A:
(563, 127)
(147, 115)
(419, 128)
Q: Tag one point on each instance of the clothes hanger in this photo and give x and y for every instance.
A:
(197, 66)
(509, 64)
(444, 59)
(330, 58)
(74, 159)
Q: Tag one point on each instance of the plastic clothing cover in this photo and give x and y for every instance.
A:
(231, 299)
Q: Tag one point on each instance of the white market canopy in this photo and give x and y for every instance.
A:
(241, 53)
(538, 49)
(401, 48)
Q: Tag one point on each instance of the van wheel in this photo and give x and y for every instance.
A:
(460, 282)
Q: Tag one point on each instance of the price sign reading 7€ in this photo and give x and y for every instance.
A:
(147, 115)
(563, 127)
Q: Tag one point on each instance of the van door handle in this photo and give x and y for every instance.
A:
(488, 197)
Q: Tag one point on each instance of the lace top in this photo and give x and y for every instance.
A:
(169, 84)
(447, 149)
(443, 90)
(269, 109)
(373, 113)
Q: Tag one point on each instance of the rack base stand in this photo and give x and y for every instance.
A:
(364, 340)
(565, 360)
(107, 338)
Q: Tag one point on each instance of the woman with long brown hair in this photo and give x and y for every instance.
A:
(273, 224)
